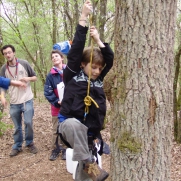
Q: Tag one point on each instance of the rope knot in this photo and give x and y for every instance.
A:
(88, 100)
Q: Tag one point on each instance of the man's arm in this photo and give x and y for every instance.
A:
(18, 83)
(29, 79)
(5, 83)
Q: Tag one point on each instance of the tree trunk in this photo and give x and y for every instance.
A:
(141, 134)
(102, 18)
(54, 28)
(177, 134)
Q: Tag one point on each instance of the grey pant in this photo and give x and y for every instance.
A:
(75, 133)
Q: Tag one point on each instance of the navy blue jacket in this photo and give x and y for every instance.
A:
(50, 90)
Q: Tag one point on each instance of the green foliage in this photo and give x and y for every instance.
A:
(33, 26)
(39, 86)
(3, 126)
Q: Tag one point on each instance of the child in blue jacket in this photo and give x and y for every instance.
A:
(54, 77)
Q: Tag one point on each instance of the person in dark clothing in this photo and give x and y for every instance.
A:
(75, 125)
(54, 77)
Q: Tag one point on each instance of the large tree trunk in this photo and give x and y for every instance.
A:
(141, 137)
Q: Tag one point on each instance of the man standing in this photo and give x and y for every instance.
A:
(21, 100)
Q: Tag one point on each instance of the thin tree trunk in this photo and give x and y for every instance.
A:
(54, 14)
(177, 120)
(102, 18)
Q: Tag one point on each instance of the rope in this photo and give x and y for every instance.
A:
(88, 99)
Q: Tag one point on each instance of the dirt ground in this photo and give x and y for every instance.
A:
(30, 167)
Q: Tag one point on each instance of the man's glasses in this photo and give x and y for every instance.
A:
(6, 53)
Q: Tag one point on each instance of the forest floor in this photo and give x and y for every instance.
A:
(29, 167)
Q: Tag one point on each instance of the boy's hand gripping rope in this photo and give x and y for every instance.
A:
(88, 99)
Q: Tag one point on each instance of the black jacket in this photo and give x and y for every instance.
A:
(76, 83)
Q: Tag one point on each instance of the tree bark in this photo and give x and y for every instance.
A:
(54, 18)
(102, 18)
(141, 134)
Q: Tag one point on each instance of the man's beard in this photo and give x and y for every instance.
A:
(10, 60)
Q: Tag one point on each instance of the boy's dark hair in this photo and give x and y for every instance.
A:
(7, 46)
(97, 57)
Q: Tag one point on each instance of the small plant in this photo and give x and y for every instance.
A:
(3, 126)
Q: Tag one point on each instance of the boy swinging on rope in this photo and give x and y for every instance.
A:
(76, 124)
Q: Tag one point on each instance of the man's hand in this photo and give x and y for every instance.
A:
(21, 84)
(29, 79)
(18, 83)
(25, 79)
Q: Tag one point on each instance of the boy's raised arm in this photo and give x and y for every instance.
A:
(86, 11)
(75, 55)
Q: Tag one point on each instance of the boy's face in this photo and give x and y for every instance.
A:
(96, 70)
(56, 59)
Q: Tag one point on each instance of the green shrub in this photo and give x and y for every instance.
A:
(3, 126)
